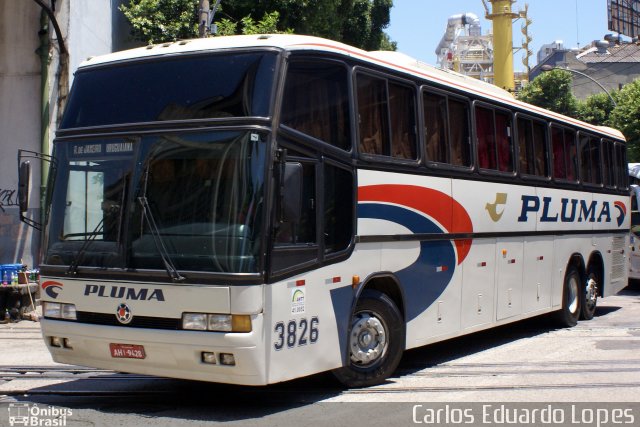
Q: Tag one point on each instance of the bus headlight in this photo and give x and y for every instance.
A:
(219, 322)
(68, 311)
(216, 322)
(51, 309)
(54, 310)
(194, 321)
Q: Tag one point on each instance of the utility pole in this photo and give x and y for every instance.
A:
(204, 18)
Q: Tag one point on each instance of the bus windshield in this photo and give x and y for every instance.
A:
(203, 86)
(198, 194)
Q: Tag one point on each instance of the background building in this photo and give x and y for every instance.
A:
(612, 62)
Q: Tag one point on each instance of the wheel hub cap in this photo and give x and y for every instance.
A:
(592, 292)
(368, 339)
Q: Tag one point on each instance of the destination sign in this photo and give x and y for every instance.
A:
(96, 149)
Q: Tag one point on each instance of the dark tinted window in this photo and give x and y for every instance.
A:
(485, 131)
(316, 101)
(503, 141)
(565, 162)
(338, 208)
(608, 163)
(436, 125)
(446, 123)
(532, 142)
(372, 112)
(177, 88)
(622, 174)
(387, 118)
(403, 121)
(590, 159)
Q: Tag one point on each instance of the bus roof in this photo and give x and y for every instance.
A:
(393, 60)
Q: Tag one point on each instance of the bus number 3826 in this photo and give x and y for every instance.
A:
(294, 333)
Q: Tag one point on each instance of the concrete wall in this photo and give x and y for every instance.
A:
(90, 34)
(87, 30)
(20, 102)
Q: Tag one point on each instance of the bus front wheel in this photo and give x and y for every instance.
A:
(571, 298)
(376, 341)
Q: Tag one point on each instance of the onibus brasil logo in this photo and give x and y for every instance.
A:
(27, 414)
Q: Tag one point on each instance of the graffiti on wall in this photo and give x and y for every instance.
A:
(8, 198)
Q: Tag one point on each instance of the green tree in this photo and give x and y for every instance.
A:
(596, 109)
(552, 90)
(157, 21)
(357, 22)
(626, 118)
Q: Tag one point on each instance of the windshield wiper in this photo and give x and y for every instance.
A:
(73, 267)
(157, 239)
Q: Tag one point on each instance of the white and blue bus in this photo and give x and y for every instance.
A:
(254, 209)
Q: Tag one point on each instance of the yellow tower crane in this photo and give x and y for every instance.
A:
(501, 17)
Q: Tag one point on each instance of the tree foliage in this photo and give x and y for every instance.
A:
(596, 109)
(626, 117)
(157, 21)
(551, 90)
(360, 23)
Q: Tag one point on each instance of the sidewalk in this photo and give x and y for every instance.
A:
(21, 344)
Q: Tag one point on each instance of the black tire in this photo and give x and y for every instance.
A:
(376, 341)
(591, 287)
(571, 298)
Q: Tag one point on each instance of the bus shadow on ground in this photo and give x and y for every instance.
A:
(121, 395)
(449, 350)
(108, 396)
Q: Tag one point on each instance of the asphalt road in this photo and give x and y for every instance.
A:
(530, 361)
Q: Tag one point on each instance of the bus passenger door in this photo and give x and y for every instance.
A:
(509, 254)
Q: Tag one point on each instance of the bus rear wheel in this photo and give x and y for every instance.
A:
(571, 298)
(590, 295)
(376, 341)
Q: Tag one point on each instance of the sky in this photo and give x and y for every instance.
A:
(418, 25)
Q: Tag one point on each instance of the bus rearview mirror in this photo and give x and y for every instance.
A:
(24, 181)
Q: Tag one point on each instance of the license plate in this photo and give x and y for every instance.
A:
(127, 351)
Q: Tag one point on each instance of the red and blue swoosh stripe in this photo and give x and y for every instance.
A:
(622, 211)
(51, 288)
(422, 211)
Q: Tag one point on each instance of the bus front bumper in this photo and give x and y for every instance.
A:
(175, 354)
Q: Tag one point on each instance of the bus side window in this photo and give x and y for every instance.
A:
(570, 152)
(338, 208)
(372, 109)
(525, 140)
(316, 101)
(459, 132)
(557, 139)
(541, 166)
(585, 162)
(607, 163)
(504, 142)
(595, 152)
(485, 131)
(403, 121)
(621, 167)
(436, 123)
